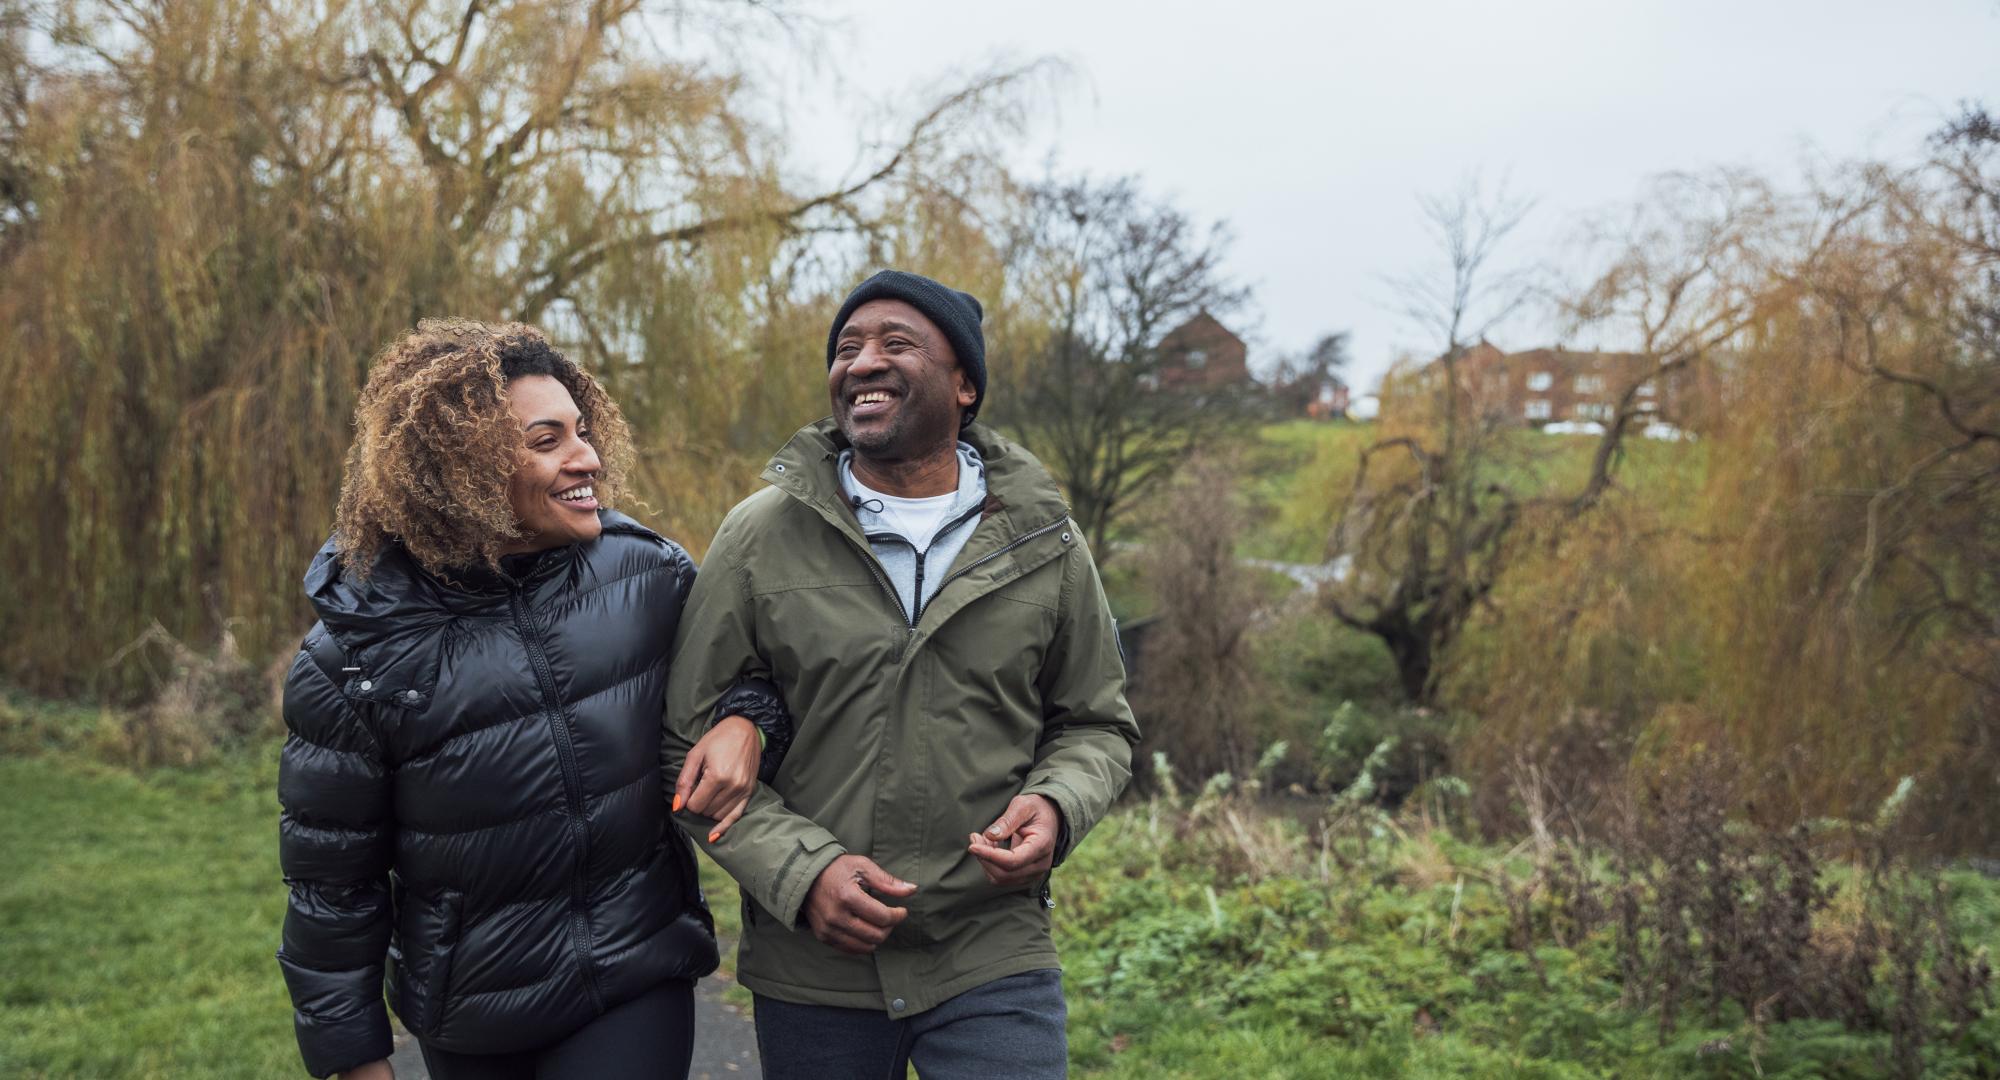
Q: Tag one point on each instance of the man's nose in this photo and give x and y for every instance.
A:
(868, 361)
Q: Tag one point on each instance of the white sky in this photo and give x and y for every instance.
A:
(1310, 128)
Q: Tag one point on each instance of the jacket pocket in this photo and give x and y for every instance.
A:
(437, 982)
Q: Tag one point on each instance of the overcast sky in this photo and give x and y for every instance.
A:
(1310, 128)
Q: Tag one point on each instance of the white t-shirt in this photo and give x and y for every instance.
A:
(917, 520)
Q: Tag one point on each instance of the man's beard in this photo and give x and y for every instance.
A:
(912, 434)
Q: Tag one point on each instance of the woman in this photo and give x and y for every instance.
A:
(471, 788)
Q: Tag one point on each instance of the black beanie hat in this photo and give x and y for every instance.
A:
(954, 312)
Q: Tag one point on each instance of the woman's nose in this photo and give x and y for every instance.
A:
(587, 460)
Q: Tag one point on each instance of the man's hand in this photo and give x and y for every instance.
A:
(720, 773)
(1019, 848)
(374, 1070)
(842, 912)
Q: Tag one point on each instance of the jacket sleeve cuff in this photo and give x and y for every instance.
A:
(794, 880)
(329, 1047)
(1068, 808)
(759, 701)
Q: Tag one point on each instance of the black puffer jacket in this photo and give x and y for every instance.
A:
(472, 789)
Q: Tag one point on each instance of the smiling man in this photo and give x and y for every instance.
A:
(914, 584)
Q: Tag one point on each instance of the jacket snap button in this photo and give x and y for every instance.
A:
(778, 468)
(367, 684)
(896, 1005)
(1065, 538)
(411, 696)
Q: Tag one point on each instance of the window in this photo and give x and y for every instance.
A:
(1590, 384)
(1647, 390)
(1594, 410)
(1535, 410)
(1541, 380)
(1197, 359)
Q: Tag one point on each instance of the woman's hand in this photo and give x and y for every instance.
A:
(374, 1070)
(720, 773)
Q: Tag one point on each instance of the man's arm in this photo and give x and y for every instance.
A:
(1085, 758)
(773, 852)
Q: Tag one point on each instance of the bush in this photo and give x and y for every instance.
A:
(1347, 941)
(201, 703)
(1195, 689)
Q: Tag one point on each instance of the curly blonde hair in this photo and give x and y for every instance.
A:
(435, 445)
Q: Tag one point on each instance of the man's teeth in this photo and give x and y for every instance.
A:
(576, 494)
(871, 398)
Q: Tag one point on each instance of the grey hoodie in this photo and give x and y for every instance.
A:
(917, 572)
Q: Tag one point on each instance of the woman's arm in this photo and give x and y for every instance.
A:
(335, 839)
(748, 735)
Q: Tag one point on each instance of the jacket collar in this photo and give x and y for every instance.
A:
(1020, 491)
(388, 624)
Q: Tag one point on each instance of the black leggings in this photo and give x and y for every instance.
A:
(650, 1037)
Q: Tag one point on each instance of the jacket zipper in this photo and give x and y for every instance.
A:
(573, 791)
(1016, 542)
(917, 594)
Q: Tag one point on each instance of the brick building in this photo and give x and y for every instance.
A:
(1541, 386)
(1203, 352)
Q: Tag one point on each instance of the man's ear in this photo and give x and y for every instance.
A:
(967, 393)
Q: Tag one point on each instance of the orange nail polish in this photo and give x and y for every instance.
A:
(714, 836)
(677, 802)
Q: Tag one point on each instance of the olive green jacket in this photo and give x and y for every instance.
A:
(910, 738)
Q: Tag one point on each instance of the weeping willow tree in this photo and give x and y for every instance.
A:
(1813, 590)
(212, 212)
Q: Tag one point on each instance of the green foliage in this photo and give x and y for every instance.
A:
(138, 919)
(1201, 938)
(1214, 940)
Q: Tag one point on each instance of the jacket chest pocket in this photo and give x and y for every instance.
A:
(818, 637)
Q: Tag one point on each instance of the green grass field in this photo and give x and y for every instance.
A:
(138, 920)
(139, 915)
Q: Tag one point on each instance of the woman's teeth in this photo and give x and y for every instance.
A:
(576, 494)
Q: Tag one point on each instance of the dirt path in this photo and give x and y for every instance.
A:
(725, 1043)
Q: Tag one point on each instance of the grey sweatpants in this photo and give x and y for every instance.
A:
(1014, 1027)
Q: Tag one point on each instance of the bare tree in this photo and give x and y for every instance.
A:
(1100, 274)
(1298, 378)
(1431, 514)
(1424, 531)
(1196, 687)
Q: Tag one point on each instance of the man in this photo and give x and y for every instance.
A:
(914, 585)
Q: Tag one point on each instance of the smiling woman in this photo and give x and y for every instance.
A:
(466, 433)
(552, 493)
(473, 803)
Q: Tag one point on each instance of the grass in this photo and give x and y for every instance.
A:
(138, 921)
(139, 916)
(1393, 961)
(1298, 473)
